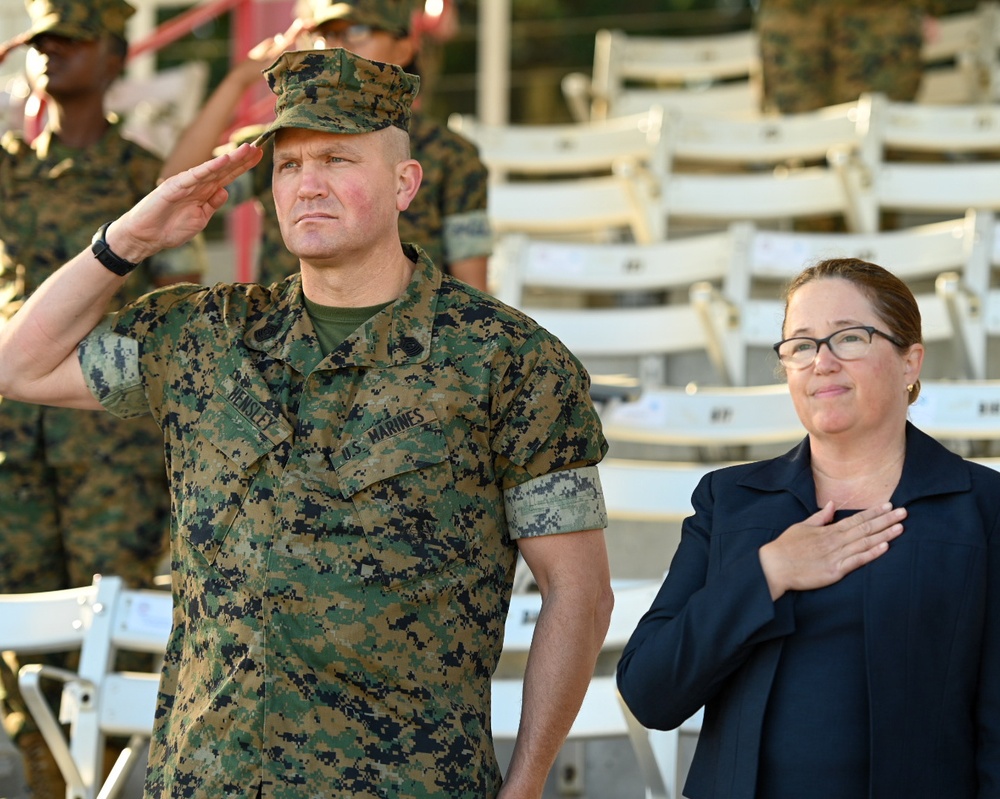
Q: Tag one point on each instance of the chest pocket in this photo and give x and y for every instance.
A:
(403, 490)
(221, 461)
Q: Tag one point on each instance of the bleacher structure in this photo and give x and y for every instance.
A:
(595, 242)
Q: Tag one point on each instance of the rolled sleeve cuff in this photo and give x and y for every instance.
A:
(560, 502)
(110, 363)
(467, 235)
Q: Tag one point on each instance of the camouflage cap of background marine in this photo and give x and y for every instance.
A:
(393, 16)
(78, 19)
(336, 91)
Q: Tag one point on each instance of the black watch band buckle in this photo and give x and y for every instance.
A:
(108, 257)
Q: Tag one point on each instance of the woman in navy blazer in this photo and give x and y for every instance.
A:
(849, 652)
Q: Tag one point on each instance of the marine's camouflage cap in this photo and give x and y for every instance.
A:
(336, 91)
(78, 19)
(388, 15)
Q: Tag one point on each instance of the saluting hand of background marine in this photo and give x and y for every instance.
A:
(180, 207)
(815, 553)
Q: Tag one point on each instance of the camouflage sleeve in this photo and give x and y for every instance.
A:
(544, 419)
(466, 224)
(561, 502)
(119, 357)
(467, 235)
(110, 363)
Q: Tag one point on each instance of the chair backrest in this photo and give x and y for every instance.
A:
(601, 715)
(46, 621)
(649, 490)
(960, 58)
(605, 172)
(621, 59)
(738, 319)
(99, 701)
(958, 410)
(520, 264)
(705, 417)
(721, 140)
(573, 149)
(722, 170)
(596, 209)
(951, 184)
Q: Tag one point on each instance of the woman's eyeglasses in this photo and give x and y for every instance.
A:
(849, 344)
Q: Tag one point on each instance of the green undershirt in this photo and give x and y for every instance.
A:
(333, 325)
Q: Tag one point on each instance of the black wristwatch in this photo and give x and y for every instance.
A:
(103, 253)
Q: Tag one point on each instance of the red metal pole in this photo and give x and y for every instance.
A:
(182, 25)
(244, 222)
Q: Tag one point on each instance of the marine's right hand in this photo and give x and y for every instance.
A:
(180, 207)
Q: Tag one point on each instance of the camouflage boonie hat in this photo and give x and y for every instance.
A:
(336, 91)
(78, 19)
(393, 16)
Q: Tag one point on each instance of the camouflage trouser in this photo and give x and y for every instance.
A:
(831, 55)
(59, 526)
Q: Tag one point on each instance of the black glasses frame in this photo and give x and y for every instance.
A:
(819, 342)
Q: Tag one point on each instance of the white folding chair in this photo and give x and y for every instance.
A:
(597, 146)
(35, 624)
(98, 700)
(602, 208)
(685, 62)
(602, 715)
(637, 338)
(767, 169)
(960, 59)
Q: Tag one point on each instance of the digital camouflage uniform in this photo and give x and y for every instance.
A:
(81, 493)
(344, 528)
(816, 54)
(343, 539)
(447, 217)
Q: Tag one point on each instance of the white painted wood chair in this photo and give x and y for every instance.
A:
(99, 701)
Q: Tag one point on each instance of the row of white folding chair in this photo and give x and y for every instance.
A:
(592, 180)
(959, 412)
(955, 254)
(97, 701)
(659, 169)
(720, 73)
(873, 184)
(726, 317)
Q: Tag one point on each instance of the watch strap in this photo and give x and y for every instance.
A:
(108, 257)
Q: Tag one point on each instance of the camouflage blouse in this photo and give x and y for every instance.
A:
(344, 528)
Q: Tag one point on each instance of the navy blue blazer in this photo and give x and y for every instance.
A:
(713, 636)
